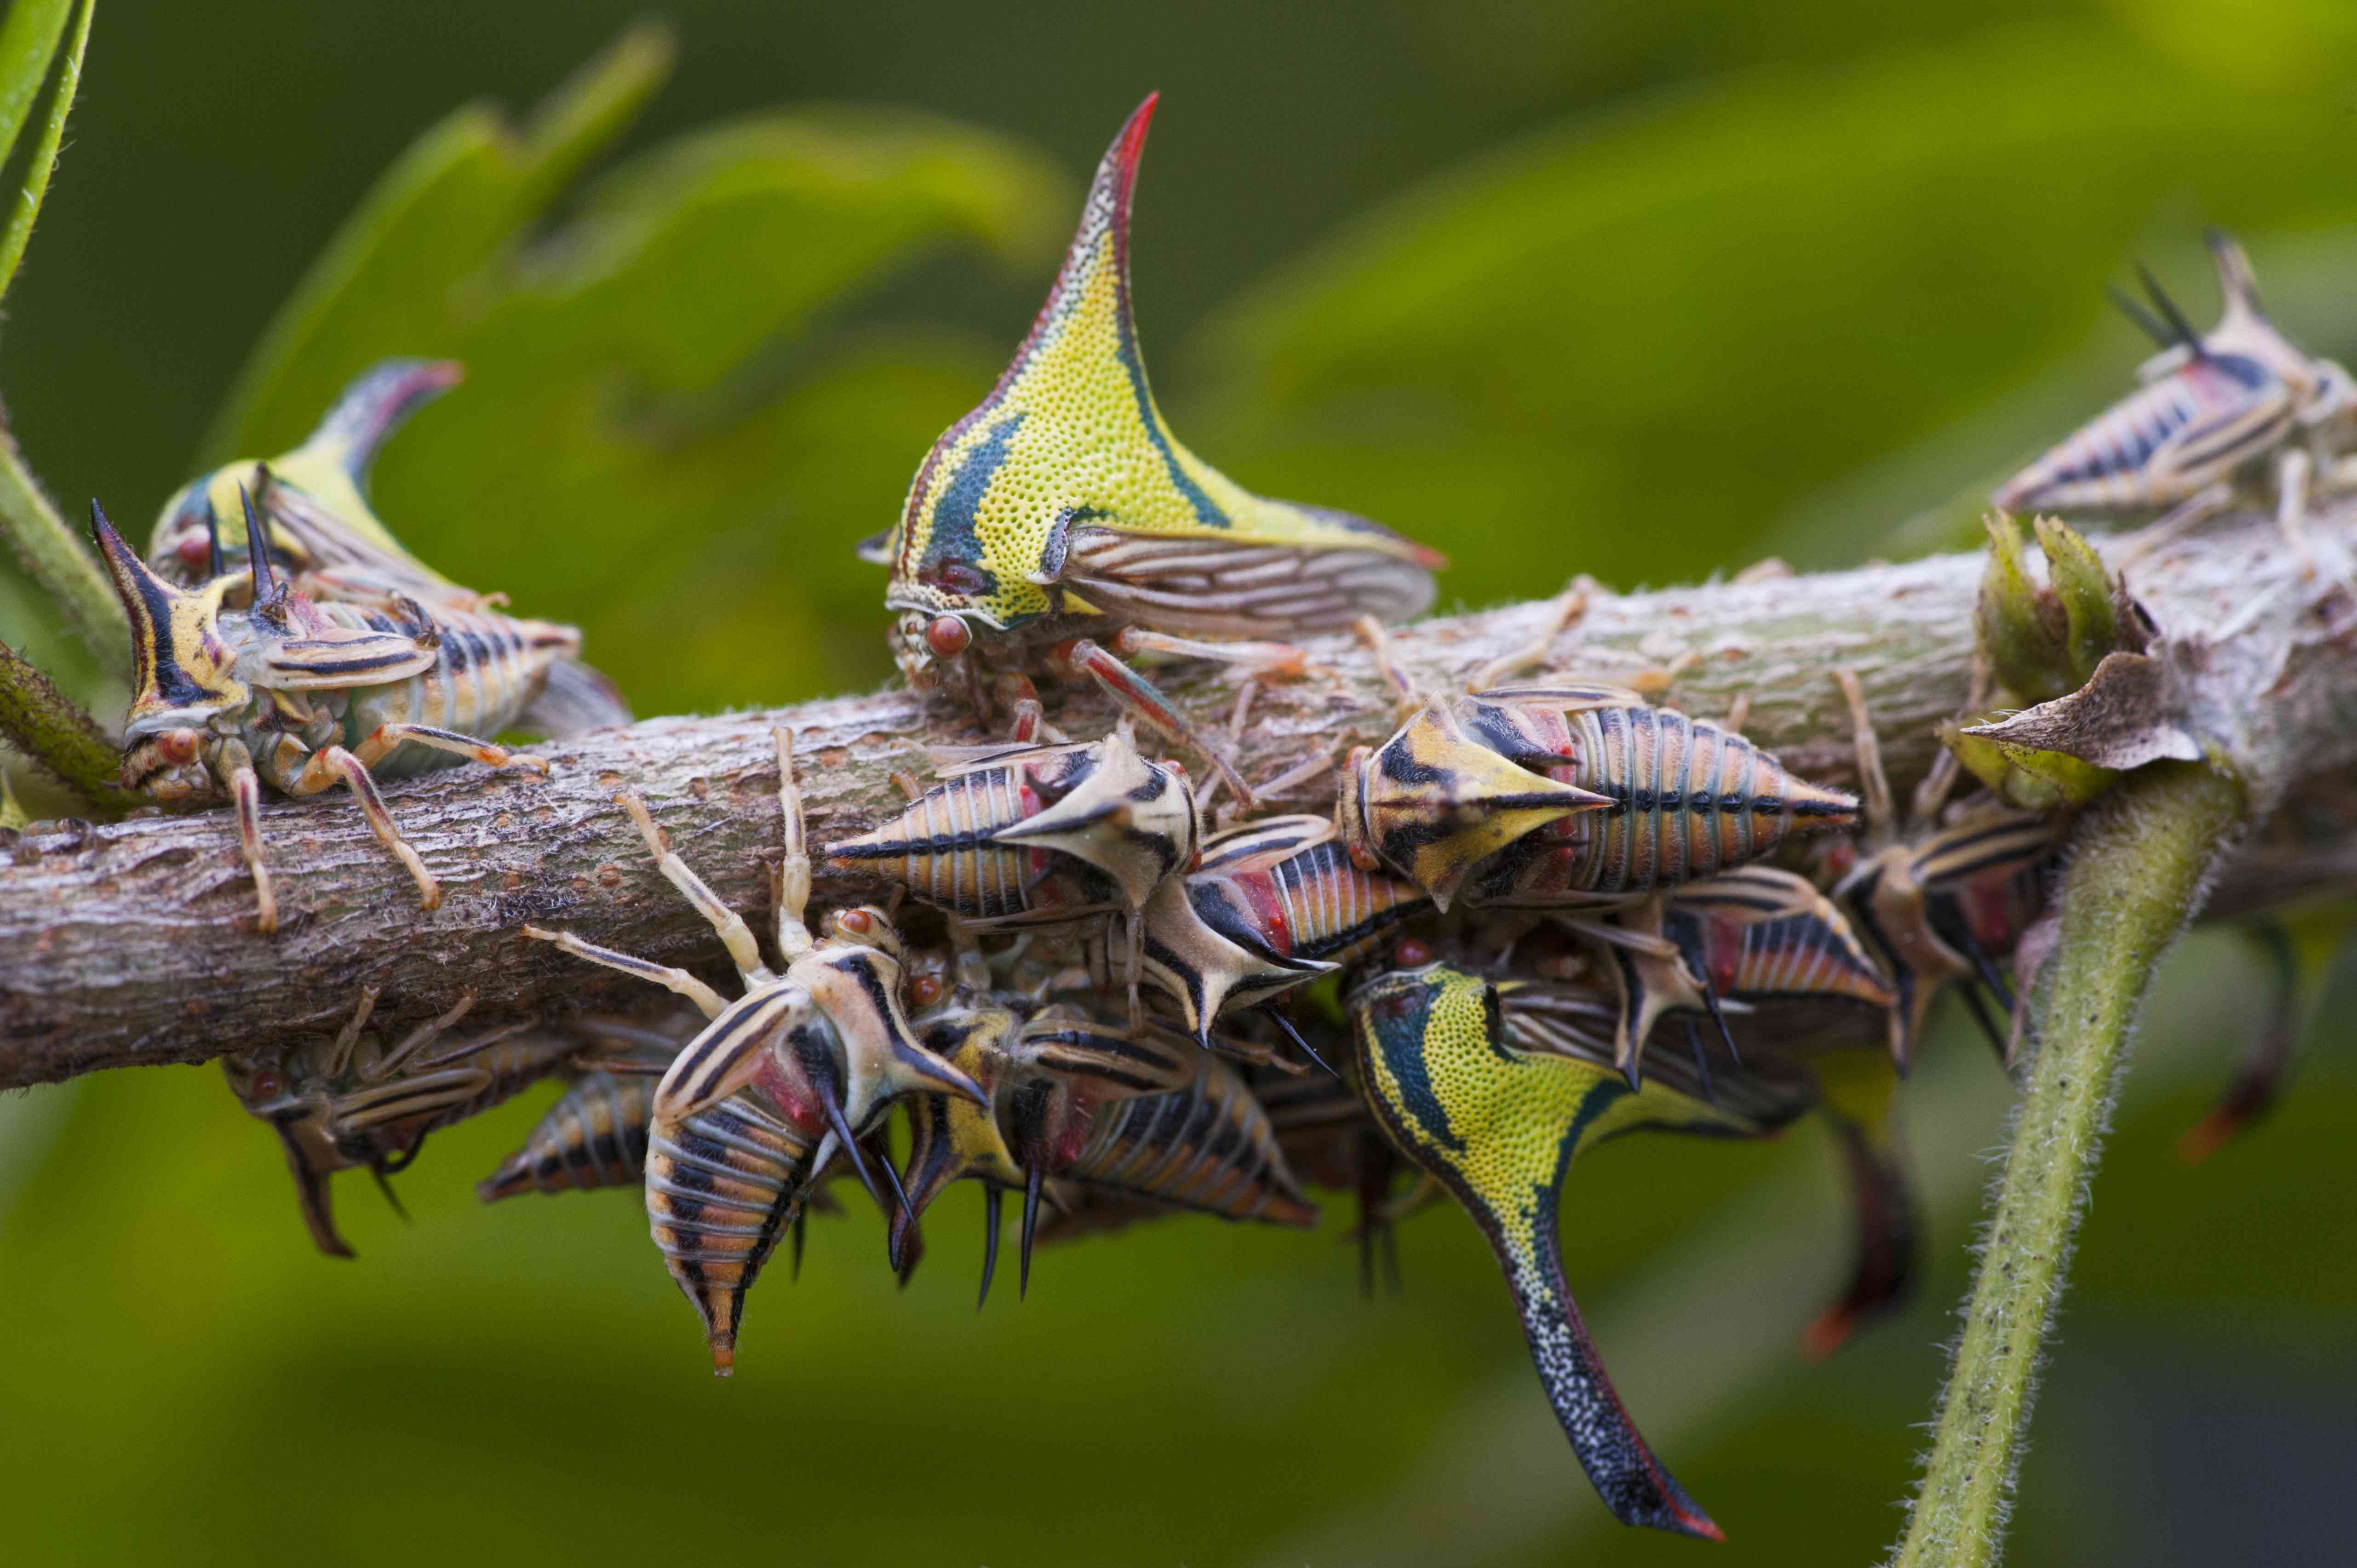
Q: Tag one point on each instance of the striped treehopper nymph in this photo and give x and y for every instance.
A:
(1040, 834)
(351, 1101)
(1546, 797)
(1464, 1095)
(595, 1136)
(1062, 510)
(322, 531)
(2214, 410)
(1755, 934)
(823, 1042)
(1272, 903)
(305, 695)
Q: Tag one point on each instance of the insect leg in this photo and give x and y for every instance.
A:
(1570, 609)
(1873, 783)
(2178, 521)
(245, 787)
(1138, 695)
(332, 764)
(385, 739)
(1236, 716)
(677, 979)
(794, 868)
(339, 1055)
(1737, 712)
(1377, 639)
(417, 1039)
(1271, 658)
(734, 933)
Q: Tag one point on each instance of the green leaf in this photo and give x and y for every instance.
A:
(1630, 342)
(44, 157)
(449, 207)
(2022, 640)
(29, 42)
(2084, 588)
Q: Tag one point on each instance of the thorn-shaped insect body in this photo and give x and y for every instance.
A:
(1605, 794)
(352, 1102)
(1040, 834)
(1947, 908)
(1756, 934)
(595, 1135)
(314, 508)
(825, 1043)
(1854, 1090)
(306, 696)
(2213, 408)
(1272, 903)
(1063, 507)
(1498, 1126)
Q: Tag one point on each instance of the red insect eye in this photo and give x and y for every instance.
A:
(925, 990)
(1412, 953)
(265, 1083)
(856, 920)
(195, 553)
(947, 637)
(176, 746)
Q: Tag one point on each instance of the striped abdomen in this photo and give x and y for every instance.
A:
(720, 1188)
(944, 849)
(1988, 874)
(1208, 1147)
(1758, 933)
(2162, 444)
(594, 1136)
(1689, 800)
(1310, 903)
(488, 669)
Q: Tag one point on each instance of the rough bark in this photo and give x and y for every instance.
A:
(134, 942)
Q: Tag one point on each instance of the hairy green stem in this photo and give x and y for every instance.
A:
(56, 558)
(2139, 864)
(48, 727)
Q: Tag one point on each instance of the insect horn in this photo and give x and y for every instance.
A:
(2147, 323)
(372, 408)
(312, 1192)
(2178, 324)
(1031, 1184)
(384, 1185)
(2237, 289)
(802, 1230)
(268, 591)
(994, 1203)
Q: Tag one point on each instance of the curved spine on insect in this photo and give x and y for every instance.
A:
(824, 1038)
(2212, 407)
(1498, 1126)
(1038, 835)
(1063, 507)
(1600, 794)
(306, 696)
(351, 1101)
(1273, 903)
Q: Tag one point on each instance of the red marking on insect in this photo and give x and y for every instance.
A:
(925, 990)
(857, 920)
(947, 635)
(195, 553)
(1412, 953)
(265, 1084)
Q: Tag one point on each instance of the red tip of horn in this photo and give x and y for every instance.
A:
(1120, 163)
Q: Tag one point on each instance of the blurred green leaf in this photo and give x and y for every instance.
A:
(44, 156)
(1624, 344)
(664, 436)
(28, 43)
(451, 204)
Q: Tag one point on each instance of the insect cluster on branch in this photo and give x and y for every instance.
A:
(1543, 913)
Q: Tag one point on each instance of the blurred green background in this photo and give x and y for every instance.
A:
(1643, 290)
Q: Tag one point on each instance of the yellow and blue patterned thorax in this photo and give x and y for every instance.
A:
(1071, 438)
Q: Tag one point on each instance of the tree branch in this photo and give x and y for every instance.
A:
(134, 942)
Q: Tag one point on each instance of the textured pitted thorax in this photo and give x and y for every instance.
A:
(1069, 456)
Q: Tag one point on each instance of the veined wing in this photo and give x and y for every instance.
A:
(1216, 587)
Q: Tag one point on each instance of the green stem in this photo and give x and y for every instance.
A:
(48, 728)
(56, 558)
(2135, 876)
